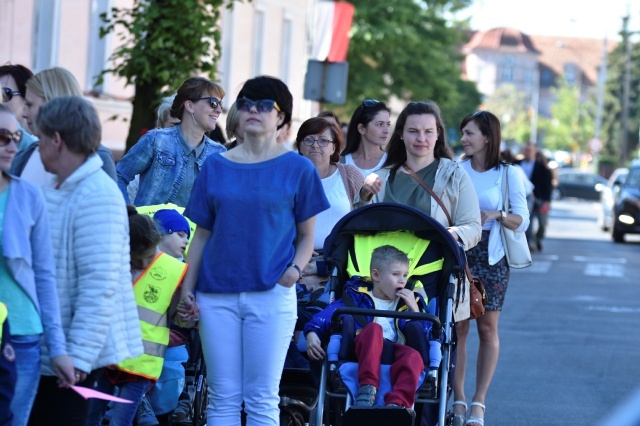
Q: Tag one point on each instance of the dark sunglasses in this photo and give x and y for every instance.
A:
(322, 142)
(8, 94)
(370, 102)
(481, 113)
(214, 102)
(263, 105)
(6, 136)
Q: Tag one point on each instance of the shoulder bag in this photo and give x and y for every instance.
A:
(516, 248)
(476, 290)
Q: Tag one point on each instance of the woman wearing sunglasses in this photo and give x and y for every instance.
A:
(367, 137)
(481, 141)
(254, 207)
(28, 276)
(40, 89)
(319, 140)
(14, 86)
(169, 160)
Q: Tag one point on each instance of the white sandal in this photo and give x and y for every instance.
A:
(458, 419)
(476, 420)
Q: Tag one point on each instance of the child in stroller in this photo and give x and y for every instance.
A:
(405, 339)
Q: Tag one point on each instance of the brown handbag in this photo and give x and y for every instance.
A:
(476, 290)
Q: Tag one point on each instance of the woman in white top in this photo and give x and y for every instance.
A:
(367, 137)
(481, 141)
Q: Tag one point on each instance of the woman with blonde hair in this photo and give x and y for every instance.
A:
(41, 88)
(234, 132)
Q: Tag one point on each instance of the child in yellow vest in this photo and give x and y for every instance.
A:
(156, 278)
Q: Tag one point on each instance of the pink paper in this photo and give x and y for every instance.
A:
(87, 393)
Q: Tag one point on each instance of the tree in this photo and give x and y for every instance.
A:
(573, 123)
(408, 50)
(164, 42)
(511, 107)
(612, 117)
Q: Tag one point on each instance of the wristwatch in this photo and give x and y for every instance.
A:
(503, 215)
(297, 268)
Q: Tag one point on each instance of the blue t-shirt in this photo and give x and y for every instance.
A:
(252, 211)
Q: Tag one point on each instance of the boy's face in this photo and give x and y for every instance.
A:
(174, 244)
(389, 279)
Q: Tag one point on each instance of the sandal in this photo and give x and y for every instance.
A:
(476, 420)
(366, 396)
(458, 419)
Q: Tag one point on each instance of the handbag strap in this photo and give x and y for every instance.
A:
(505, 188)
(430, 191)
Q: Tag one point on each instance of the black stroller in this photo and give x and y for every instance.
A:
(381, 224)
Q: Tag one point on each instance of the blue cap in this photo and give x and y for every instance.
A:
(170, 221)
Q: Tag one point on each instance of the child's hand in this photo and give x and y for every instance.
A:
(409, 299)
(188, 308)
(314, 347)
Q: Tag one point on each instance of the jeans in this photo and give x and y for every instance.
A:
(122, 414)
(245, 337)
(27, 349)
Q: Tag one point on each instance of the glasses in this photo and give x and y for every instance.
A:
(481, 113)
(6, 136)
(8, 94)
(263, 105)
(214, 102)
(370, 102)
(322, 142)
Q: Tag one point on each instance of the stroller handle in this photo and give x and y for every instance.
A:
(436, 327)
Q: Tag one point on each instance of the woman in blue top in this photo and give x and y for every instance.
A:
(254, 207)
(28, 277)
(169, 160)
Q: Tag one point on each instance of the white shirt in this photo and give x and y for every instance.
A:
(388, 325)
(35, 172)
(338, 199)
(348, 159)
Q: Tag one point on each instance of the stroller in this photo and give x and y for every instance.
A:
(436, 267)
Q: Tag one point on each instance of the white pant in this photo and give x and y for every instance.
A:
(245, 337)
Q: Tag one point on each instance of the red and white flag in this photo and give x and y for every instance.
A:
(331, 30)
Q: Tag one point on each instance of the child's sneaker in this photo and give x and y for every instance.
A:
(366, 396)
(145, 415)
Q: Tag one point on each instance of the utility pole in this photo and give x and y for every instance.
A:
(626, 86)
(602, 80)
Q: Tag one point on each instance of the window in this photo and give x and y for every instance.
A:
(258, 42)
(97, 46)
(285, 65)
(47, 34)
(507, 69)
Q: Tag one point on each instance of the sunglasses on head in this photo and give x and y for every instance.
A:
(481, 113)
(263, 105)
(322, 142)
(214, 102)
(6, 136)
(8, 94)
(370, 102)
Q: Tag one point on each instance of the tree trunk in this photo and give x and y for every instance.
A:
(143, 117)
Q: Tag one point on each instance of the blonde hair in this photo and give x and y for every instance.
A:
(54, 82)
(233, 117)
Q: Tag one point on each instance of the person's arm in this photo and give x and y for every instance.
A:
(518, 218)
(303, 251)
(108, 163)
(466, 218)
(135, 161)
(194, 260)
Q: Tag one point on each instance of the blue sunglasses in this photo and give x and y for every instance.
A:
(263, 105)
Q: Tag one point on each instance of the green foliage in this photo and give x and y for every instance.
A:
(164, 42)
(612, 118)
(573, 122)
(511, 107)
(407, 49)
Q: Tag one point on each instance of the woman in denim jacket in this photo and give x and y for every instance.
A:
(169, 160)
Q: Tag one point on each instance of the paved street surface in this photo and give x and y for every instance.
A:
(570, 328)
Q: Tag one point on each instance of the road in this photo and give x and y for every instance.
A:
(570, 328)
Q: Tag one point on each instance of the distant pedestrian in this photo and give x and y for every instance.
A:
(254, 207)
(481, 141)
(169, 160)
(13, 78)
(540, 175)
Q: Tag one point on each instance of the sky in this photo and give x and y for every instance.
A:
(567, 18)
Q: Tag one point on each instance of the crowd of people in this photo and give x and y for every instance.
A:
(106, 266)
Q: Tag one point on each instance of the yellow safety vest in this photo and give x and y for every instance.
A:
(154, 290)
(3, 317)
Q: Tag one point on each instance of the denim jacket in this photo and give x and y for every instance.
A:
(161, 162)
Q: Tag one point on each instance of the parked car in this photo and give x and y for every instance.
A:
(626, 210)
(609, 195)
(578, 184)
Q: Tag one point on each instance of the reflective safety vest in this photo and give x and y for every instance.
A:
(3, 317)
(154, 290)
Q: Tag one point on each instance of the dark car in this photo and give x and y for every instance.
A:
(626, 210)
(609, 195)
(578, 183)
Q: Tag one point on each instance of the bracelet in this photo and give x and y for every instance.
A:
(297, 269)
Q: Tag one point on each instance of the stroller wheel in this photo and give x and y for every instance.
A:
(291, 418)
